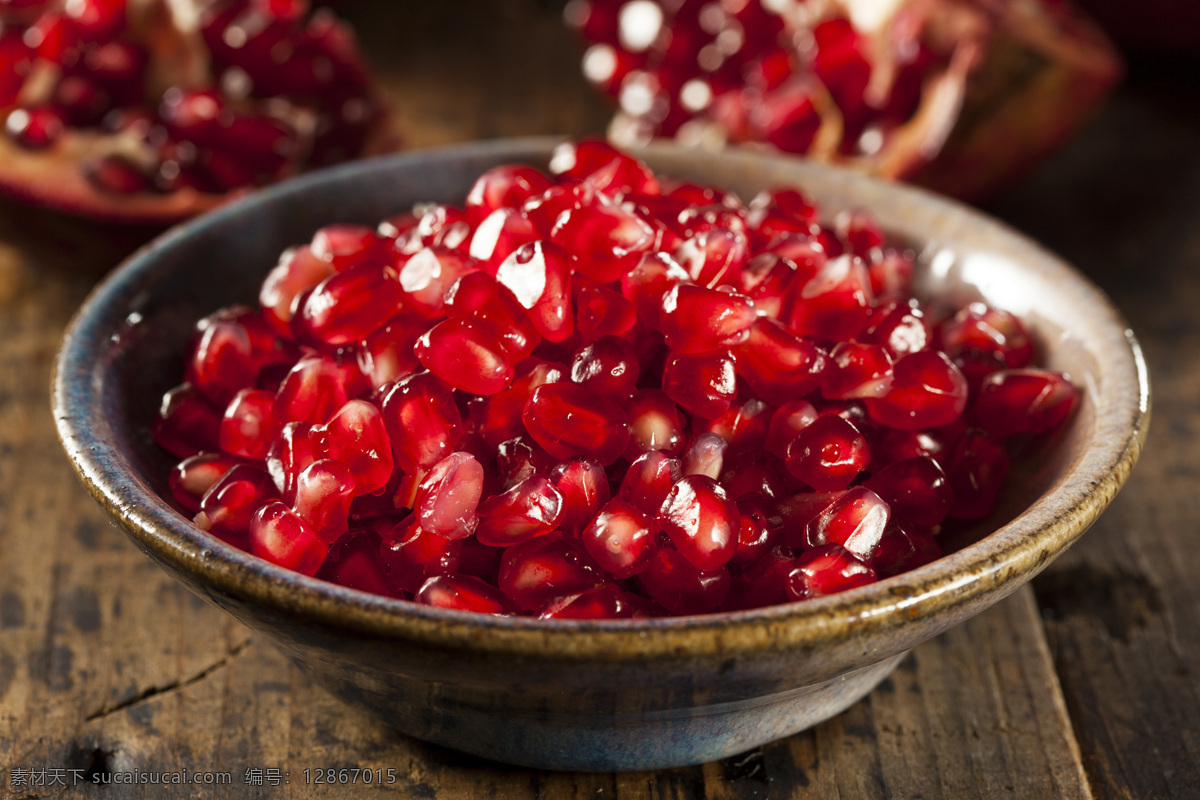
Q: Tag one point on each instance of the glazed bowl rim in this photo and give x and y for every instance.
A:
(1013, 552)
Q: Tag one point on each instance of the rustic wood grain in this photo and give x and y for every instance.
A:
(106, 665)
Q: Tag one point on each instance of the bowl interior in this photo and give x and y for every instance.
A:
(126, 348)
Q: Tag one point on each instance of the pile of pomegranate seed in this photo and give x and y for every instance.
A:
(600, 393)
(153, 109)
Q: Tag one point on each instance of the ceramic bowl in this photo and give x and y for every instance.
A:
(606, 695)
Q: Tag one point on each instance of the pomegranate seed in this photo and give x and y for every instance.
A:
(354, 563)
(584, 489)
(757, 472)
(828, 454)
(230, 349)
(900, 328)
(299, 268)
(648, 481)
(530, 509)
(647, 283)
(605, 601)
(701, 521)
(344, 246)
(444, 227)
(498, 417)
(466, 354)
(699, 320)
(427, 275)
(507, 186)
(477, 295)
(778, 366)
(621, 539)
(858, 370)
(497, 236)
(606, 239)
(706, 456)
(744, 426)
(387, 354)
(449, 495)
(568, 420)
(539, 276)
(787, 421)
(1016, 401)
(412, 556)
(828, 570)
(654, 424)
(313, 390)
(537, 571)
(856, 520)
(345, 307)
(764, 582)
(608, 367)
(279, 535)
(248, 427)
(289, 455)
(602, 312)
(35, 128)
(187, 422)
(356, 437)
(834, 305)
(463, 593)
(324, 490)
(915, 489)
(901, 551)
(758, 530)
(860, 230)
(604, 167)
(195, 475)
(977, 470)
(980, 332)
(674, 583)
(714, 257)
(229, 504)
(704, 385)
(928, 391)
(519, 458)
(421, 420)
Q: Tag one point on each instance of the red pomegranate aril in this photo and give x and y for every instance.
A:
(289, 455)
(356, 437)
(498, 235)
(859, 230)
(621, 539)
(248, 427)
(675, 584)
(1019, 401)
(763, 581)
(835, 304)
(187, 423)
(449, 495)
(604, 167)
(466, 354)
(828, 454)
(539, 276)
(778, 366)
(477, 295)
(568, 420)
(354, 563)
(928, 391)
(605, 601)
(463, 593)
(298, 269)
(324, 490)
(605, 239)
(279, 535)
(498, 418)
(35, 128)
(387, 354)
(915, 489)
(976, 470)
(714, 257)
(644, 285)
(600, 311)
(979, 329)
(757, 472)
(900, 328)
(344, 246)
(411, 555)
(765, 279)
(856, 520)
(195, 475)
(786, 421)
(703, 385)
(313, 390)
(530, 509)
(506, 186)
(891, 274)
(422, 421)
(706, 456)
(758, 531)
(744, 426)
(901, 550)
(444, 227)
(229, 504)
(230, 349)
(519, 458)
(537, 571)
(654, 424)
(583, 485)
(345, 307)
(828, 570)
(701, 521)
(608, 366)
(857, 370)
(695, 319)
(648, 481)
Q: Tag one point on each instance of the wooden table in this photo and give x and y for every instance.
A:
(1084, 685)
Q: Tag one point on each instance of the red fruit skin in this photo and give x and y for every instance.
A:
(568, 420)
(411, 556)
(422, 421)
(621, 539)
(537, 571)
(279, 535)
(928, 391)
(828, 454)
(704, 385)
(828, 570)
(701, 521)
(1018, 401)
(671, 581)
(463, 593)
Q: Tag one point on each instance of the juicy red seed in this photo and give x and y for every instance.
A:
(298, 269)
(195, 475)
(229, 504)
(387, 354)
(648, 481)
(427, 275)
(477, 295)
(604, 167)
(533, 573)
(248, 427)
(608, 367)
(715, 257)
(645, 285)
(313, 390)
(828, 454)
(978, 329)
(789, 203)
(289, 455)
(621, 539)
(654, 424)
(744, 426)
(891, 274)
(530, 509)
(757, 473)
(282, 537)
(498, 418)
(977, 470)
(35, 128)
(444, 227)
(605, 239)
(539, 276)
(674, 583)
(187, 422)
(835, 304)
(507, 186)
(828, 570)
(856, 520)
(758, 530)
(860, 230)
(763, 582)
(568, 420)
(422, 421)
(449, 495)
(915, 489)
(519, 458)
(584, 489)
(356, 437)
(345, 307)
(704, 385)
(787, 421)
(605, 601)
(901, 550)
(343, 246)
(466, 354)
(324, 490)
(695, 320)
(858, 370)
(229, 350)
(1017, 401)
(602, 312)
(778, 366)
(497, 236)
(900, 328)
(706, 456)
(411, 555)
(701, 521)
(928, 391)
(463, 593)
(354, 563)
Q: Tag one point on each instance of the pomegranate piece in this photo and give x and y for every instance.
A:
(467, 355)
(764, 582)
(537, 571)
(387, 354)
(706, 456)
(828, 570)
(539, 276)
(701, 521)
(229, 351)
(187, 422)
(828, 454)
(530, 509)
(426, 276)
(856, 520)
(411, 556)
(289, 455)
(421, 420)
(194, 476)
(835, 304)
(519, 458)
(347, 306)
(463, 593)
(1016, 401)
(647, 282)
(248, 427)
(621, 539)
(602, 312)
(354, 563)
(779, 366)
(675, 584)
(928, 391)
(311, 391)
(699, 320)
(603, 167)
(758, 531)
(584, 489)
(915, 489)
(648, 481)
(356, 437)
(299, 269)
(976, 470)
(787, 421)
(282, 537)
(703, 385)
(568, 420)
